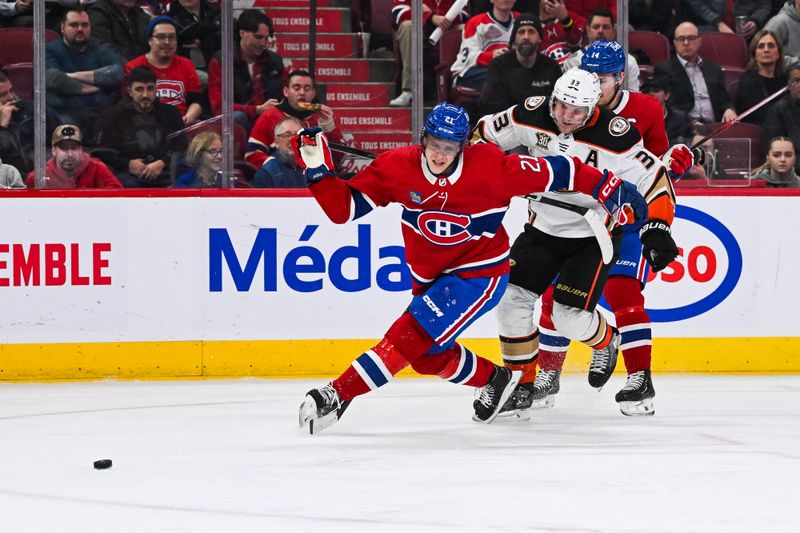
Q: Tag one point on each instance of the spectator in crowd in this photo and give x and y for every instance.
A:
(783, 120)
(778, 170)
(280, 170)
(16, 13)
(10, 177)
(713, 15)
(204, 155)
(601, 27)
(697, 86)
(652, 15)
(121, 25)
(522, 73)
(433, 12)
(676, 121)
(257, 71)
(199, 36)
(520, 6)
(299, 102)
(82, 75)
(71, 167)
(178, 83)
(141, 136)
(786, 25)
(563, 30)
(765, 74)
(16, 127)
(485, 37)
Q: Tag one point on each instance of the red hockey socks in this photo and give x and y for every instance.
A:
(403, 343)
(624, 295)
(457, 365)
(552, 346)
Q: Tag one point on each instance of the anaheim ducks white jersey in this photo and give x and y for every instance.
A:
(608, 141)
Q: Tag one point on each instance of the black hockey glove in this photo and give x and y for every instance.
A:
(657, 245)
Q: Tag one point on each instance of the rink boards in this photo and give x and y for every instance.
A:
(210, 286)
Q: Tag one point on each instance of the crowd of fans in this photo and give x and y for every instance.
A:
(133, 88)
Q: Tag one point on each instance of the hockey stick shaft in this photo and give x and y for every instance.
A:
(738, 118)
(349, 150)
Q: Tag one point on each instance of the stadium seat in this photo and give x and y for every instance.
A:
(645, 73)
(655, 45)
(21, 77)
(725, 49)
(732, 75)
(449, 46)
(18, 44)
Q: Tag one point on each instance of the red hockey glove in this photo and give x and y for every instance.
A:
(678, 160)
(313, 155)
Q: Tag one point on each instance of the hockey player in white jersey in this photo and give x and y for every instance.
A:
(557, 243)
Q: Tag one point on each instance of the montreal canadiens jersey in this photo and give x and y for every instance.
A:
(646, 115)
(608, 141)
(451, 224)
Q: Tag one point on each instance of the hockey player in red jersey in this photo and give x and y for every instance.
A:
(456, 249)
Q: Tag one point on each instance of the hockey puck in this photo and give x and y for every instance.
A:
(102, 464)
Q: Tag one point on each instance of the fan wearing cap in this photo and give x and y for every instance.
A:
(71, 167)
(453, 198)
(177, 82)
(523, 73)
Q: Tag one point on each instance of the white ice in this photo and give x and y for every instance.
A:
(722, 454)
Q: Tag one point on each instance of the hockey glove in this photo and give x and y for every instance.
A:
(312, 154)
(658, 247)
(678, 160)
(620, 199)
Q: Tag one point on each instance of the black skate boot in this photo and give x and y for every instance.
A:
(636, 397)
(495, 394)
(520, 400)
(545, 387)
(321, 408)
(604, 361)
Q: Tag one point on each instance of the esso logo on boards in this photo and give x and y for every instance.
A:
(708, 267)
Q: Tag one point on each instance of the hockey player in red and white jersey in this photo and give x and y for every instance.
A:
(557, 243)
(456, 249)
(484, 37)
(623, 290)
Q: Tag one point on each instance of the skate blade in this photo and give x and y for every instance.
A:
(517, 415)
(545, 403)
(311, 424)
(516, 375)
(641, 408)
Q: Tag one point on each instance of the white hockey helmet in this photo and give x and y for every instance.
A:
(578, 88)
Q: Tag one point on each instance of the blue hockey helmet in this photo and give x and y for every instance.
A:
(603, 57)
(449, 122)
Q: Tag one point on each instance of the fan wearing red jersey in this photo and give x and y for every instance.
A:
(455, 244)
(627, 278)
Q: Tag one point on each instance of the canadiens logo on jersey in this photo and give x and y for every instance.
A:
(542, 140)
(618, 126)
(443, 228)
(170, 91)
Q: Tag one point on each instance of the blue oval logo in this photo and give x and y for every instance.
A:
(725, 288)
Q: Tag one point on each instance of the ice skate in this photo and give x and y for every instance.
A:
(321, 408)
(636, 397)
(495, 394)
(519, 402)
(604, 361)
(545, 387)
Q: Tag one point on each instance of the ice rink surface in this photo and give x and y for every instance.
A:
(721, 454)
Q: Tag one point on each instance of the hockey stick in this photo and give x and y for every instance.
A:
(738, 118)
(592, 218)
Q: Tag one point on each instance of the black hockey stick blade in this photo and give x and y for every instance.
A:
(349, 150)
